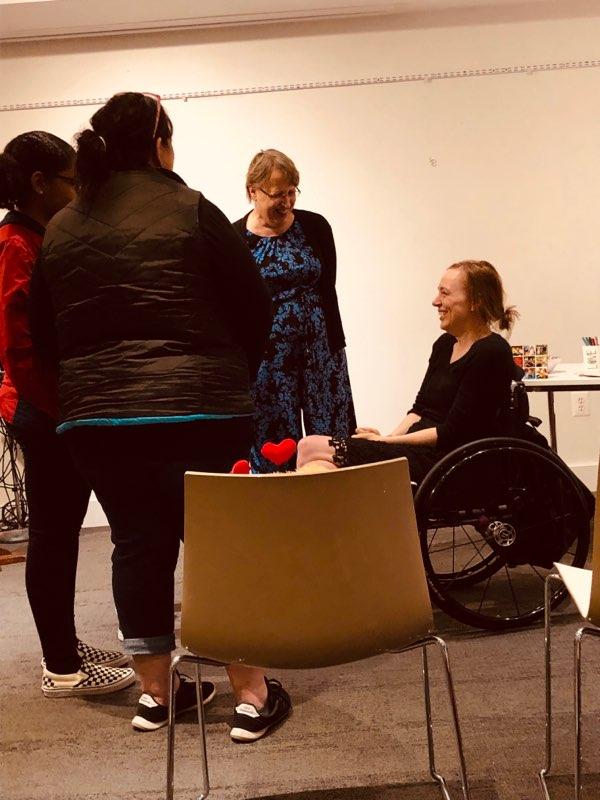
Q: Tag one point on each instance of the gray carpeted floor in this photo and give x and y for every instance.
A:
(357, 732)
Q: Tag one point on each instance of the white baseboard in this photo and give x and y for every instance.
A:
(588, 473)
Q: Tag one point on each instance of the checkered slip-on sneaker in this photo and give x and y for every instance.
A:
(250, 723)
(150, 715)
(90, 679)
(108, 658)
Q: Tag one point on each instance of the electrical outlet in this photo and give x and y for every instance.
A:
(580, 406)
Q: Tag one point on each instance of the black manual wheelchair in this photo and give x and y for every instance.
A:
(493, 516)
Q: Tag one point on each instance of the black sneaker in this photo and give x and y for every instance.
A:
(151, 715)
(250, 723)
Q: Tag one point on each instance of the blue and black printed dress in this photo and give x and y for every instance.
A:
(299, 380)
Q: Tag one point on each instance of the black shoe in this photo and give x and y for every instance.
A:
(250, 723)
(151, 715)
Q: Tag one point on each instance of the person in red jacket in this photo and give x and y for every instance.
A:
(37, 180)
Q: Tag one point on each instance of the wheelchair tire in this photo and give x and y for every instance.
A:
(493, 516)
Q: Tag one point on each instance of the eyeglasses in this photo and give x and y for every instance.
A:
(157, 99)
(67, 179)
(291, 193)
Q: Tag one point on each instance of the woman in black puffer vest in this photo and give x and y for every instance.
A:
(155, 315)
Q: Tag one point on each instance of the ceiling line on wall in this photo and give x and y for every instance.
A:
(426, 77)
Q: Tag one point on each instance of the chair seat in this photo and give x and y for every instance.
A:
(579, 585)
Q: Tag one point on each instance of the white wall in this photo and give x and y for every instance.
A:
(412, 176)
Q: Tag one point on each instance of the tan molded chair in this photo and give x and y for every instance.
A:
(584, 587)
(298, 571)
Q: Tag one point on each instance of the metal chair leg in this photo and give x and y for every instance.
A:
(171, 731)
(545, 771)
(430, 741)
(429, 723)
(202, 726)
(577, 683)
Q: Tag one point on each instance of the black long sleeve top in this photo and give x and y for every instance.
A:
(464, 398)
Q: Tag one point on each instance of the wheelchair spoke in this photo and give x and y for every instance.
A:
(510, 583)
(453, 548)
(484, 594)
(471, 540)
(469, 562)
(464, 567)
(541, 577)
(447, 547)
(433, 537)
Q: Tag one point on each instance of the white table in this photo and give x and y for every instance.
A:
(563, 378)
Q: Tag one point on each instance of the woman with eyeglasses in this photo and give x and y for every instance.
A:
(303, 377)
(161, 318)
(36, 180)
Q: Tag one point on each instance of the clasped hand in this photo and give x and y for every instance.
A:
(369, 433)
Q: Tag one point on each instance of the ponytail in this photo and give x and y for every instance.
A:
(508, 318)
(123, 136)
(92, 166)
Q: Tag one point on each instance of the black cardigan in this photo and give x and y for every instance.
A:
(320, 237)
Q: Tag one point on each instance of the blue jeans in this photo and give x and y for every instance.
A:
(137, 474)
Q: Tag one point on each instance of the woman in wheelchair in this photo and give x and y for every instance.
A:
(465, 390)
(494, 509)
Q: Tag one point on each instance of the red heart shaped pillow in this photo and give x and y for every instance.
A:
(278, 453)
(241, 468)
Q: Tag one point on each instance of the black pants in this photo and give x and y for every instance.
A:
(57, 497)
(137, 473)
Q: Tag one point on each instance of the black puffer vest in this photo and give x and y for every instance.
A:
(141, 319)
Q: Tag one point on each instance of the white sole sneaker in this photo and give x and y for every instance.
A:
(250, 724)
(90, 679)
(150, 715)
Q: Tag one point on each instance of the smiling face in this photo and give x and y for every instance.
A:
(274, 199)
(455, 311)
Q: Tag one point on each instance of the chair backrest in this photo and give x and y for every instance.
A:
(594, 613)
(298, 571)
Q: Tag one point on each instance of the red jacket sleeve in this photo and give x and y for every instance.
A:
(16, 349)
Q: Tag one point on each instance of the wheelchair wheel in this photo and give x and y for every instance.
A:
(493, 516)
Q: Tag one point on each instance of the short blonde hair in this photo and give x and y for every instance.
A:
(264, 163)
